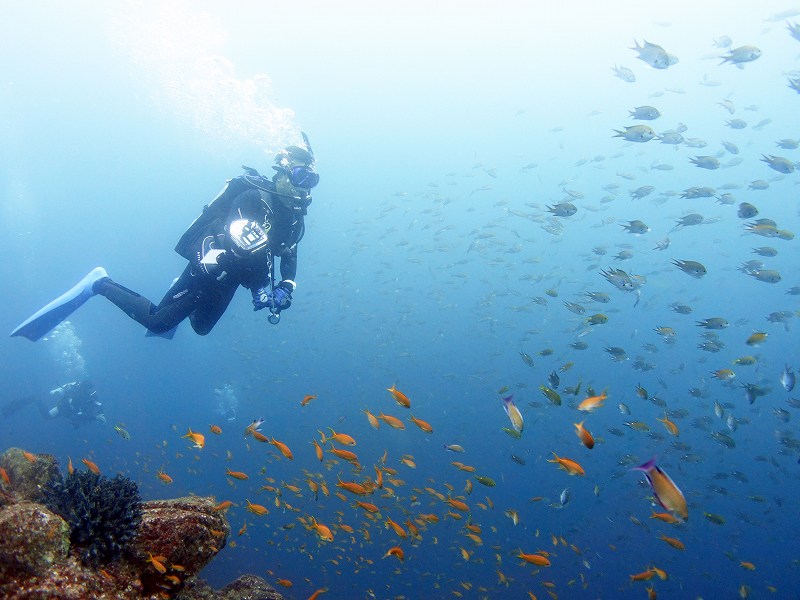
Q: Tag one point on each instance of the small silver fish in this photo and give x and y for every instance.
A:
(563, 209)
(779, 163)
(645, 113)
(624, 73)
(636, 133)
(691, 268)
(655, 56)
(636, 227)
(766, 275)
(719, 411)
(787, 378)
(742, 54)
(705, 162)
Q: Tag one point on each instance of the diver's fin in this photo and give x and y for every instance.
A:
(168, 335)
(45, 319)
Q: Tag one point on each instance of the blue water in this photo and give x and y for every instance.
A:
(441, 134)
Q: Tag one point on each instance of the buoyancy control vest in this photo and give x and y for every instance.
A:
(214, 214)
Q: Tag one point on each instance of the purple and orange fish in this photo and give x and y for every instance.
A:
(665, 492)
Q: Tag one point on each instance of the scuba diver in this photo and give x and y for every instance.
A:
(75, 401)
(233, 242)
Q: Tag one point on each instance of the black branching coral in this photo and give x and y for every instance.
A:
(103, 514)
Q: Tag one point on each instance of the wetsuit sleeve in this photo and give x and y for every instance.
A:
(289, 263)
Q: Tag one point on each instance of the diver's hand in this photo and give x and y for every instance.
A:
(281, 297)
(261, 298)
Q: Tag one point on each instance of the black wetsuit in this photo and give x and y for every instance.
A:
(76, 401)
(202, 293)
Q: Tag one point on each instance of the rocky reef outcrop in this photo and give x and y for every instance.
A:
(42, 557)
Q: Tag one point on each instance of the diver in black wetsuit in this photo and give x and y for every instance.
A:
(233, 242)
(76, 401)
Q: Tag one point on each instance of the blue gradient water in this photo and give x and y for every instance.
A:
(441, 133)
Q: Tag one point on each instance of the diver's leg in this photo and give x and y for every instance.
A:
(179, 301)
(15, 405)
(213, 302)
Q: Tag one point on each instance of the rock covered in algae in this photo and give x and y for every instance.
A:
(246, 587)
(31, 539)
(185, 531)
(28, 473)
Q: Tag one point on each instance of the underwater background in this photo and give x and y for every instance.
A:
(442, 134)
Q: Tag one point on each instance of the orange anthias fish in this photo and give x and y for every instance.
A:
(534, 559)
(674, 542)
(424, 425)
(354, 488)
(569, 465)
(399, 397)
(224, 505)
(236, 474)
(316, 594)
(339, 438)
(29, 456)
(318, 450)
(395, 551)
(671, 427)
(584, 435)
(198, 438)
(306, 399)
(91, 466)
(367, 506)
(666, 518)
(284, 449)
(665, 492)
(257, 509)
(4, 476)
(157, 562)
(344, 454)
(592, 403)
(323, 531)
(164, 477)
(216, 429)
(643, 576)
(373, 420)
(392, 421)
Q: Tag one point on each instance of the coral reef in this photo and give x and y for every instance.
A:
(172, 541)
(103, 514)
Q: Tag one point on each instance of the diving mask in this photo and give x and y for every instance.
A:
(300, 176)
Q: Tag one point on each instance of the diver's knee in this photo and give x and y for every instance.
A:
(201, 328)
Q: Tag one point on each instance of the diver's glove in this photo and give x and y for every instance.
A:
(278, 299)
